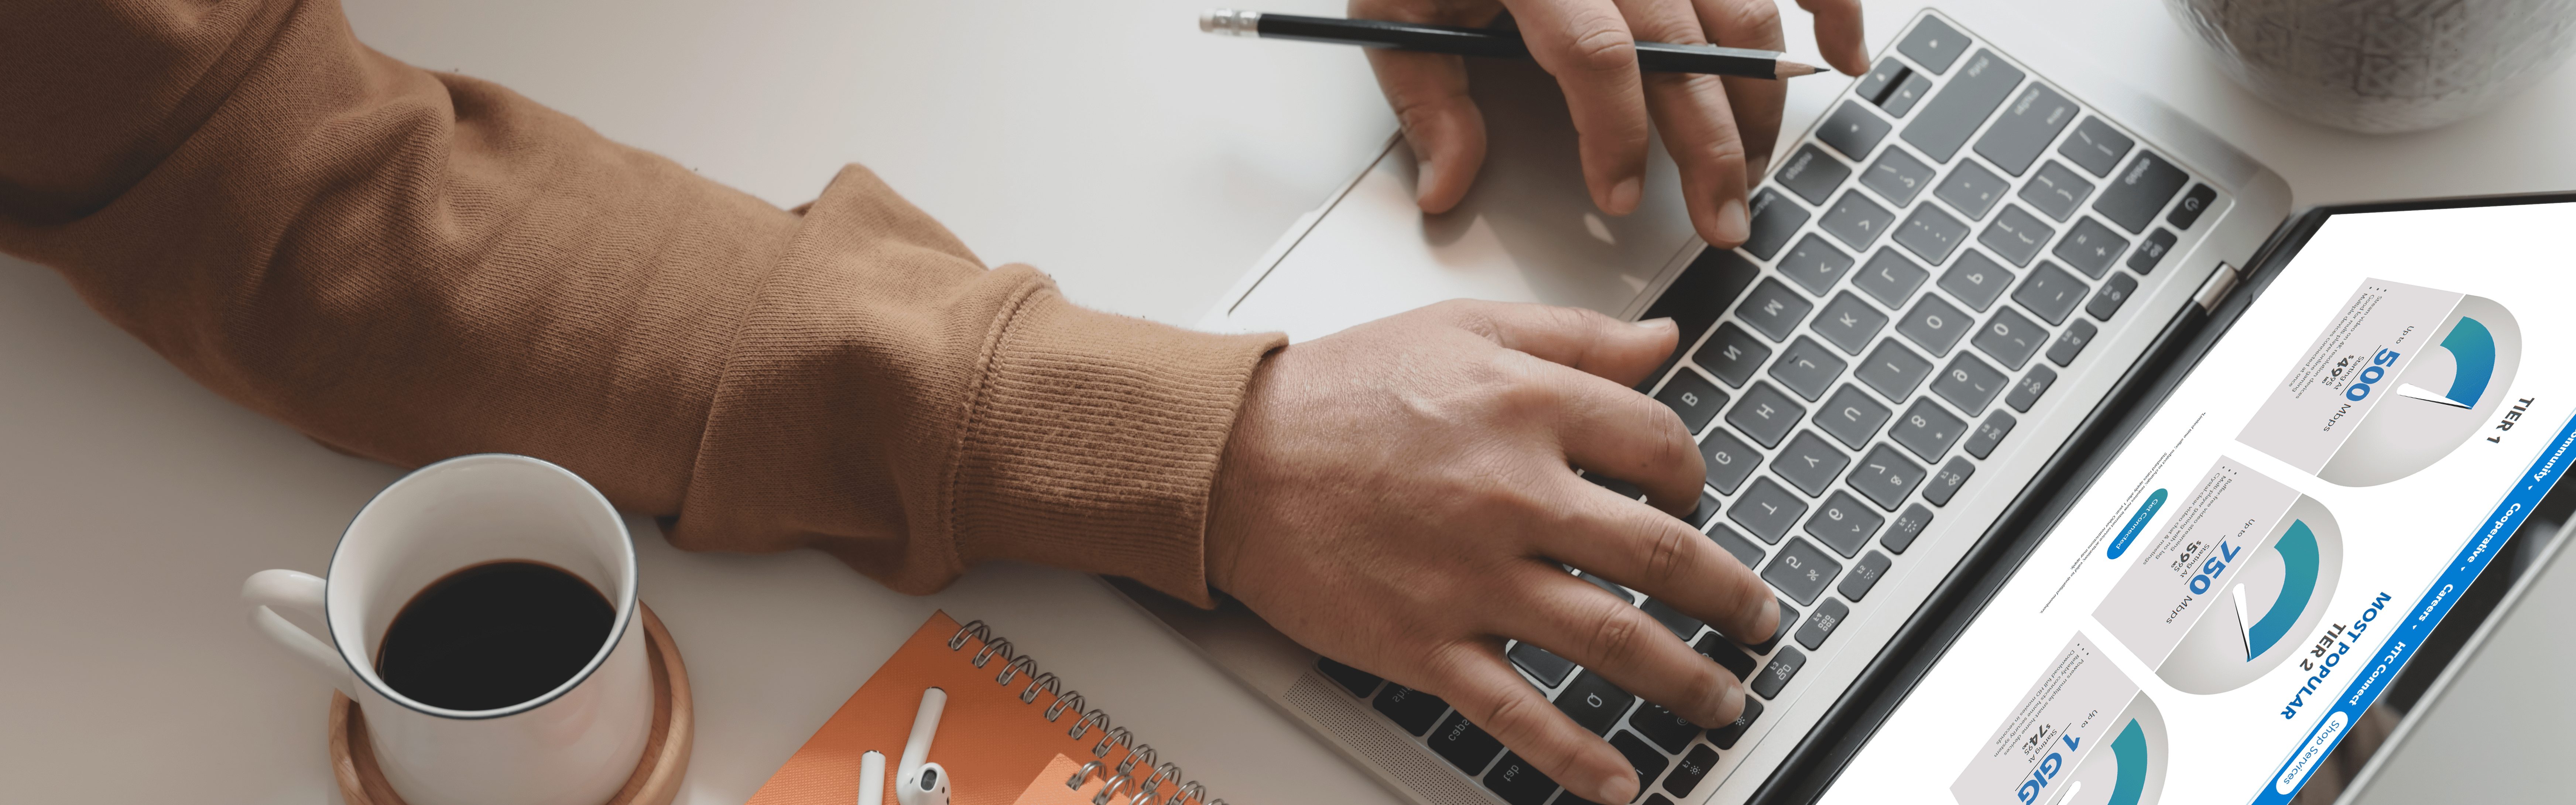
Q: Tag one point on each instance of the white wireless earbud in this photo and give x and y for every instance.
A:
(872, 778)
(918, 781)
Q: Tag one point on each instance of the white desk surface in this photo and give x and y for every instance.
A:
(1144, 164)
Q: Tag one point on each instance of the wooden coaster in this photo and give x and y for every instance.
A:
(657, 775)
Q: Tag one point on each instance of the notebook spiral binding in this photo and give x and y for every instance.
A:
(1135, 770)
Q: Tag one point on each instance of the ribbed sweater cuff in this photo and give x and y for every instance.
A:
(1092, 442)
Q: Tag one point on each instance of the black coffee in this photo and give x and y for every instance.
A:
(494, 635)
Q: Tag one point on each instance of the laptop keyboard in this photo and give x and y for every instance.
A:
(1950, 237)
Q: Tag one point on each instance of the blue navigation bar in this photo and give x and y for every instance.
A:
(2399, 646)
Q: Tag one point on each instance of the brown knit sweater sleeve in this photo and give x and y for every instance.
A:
(411, 265)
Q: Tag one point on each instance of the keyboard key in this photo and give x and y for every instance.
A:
(1976, 279)
(1659, 725)
(1880, 80)
(1843, 524)
(1764, 414)
(1933, 44)
(1801, 570)
(1358, 682)
(1930, 233)
(2139, 191)
(1728, 460)
(1651, 799)
(2056, 191)
(1704, 512)
(1593, 702)
(1732, 355)
(1726, 736)
(1901, 533)
(1893, 370)
(2113, 294)
(1946, 482)
(1411, 709)
(1722, 650)
(1777, 673)
(1864, 575)
(2050, 292)
(1927, 430)
(1810, 463)
(1886, 477)
(1692, 768)
(2025, 128)
(1853, 130)
(1897, 176)
(1463, 744)
(1849, 322)
(2151, 251)
(2009, 337)
(2026, 391)
(1807, 368)
(1856, 221)
(1811, 174)
(1908, 92)
(1962, 105)
(1682, 626)
(1933, 325)
(1968, 383)
(1773, 309)
(1820, 623)
(1703, 291)
(1743, 549)
(2090, 247)
(1775, 218)
(2071, 342)
(1541, 663)
(2193, 204)
(2096, 146)
(1648, 762)
(1851, 416)
(1815, 264)
(1767, 509)
(2016, 235)
(1989, 433)
(1972, 189)
(1517, 782)
(1890, 278)
(1693, 397)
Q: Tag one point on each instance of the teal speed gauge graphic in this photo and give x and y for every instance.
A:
(2084, 735)
(2233, 585)
(2128, 769)
(2403, 376)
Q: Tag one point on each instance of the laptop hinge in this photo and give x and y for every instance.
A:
(2215, 289)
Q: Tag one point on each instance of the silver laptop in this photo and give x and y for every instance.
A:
(1966, 286)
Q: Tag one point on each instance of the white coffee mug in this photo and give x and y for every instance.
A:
(574, 745)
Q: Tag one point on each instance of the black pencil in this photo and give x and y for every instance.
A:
(1653, 57)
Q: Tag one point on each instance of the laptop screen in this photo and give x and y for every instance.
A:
(2253, 570)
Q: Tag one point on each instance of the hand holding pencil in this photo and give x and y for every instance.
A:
(1621, 63)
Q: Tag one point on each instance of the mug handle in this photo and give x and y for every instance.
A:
(270, 590)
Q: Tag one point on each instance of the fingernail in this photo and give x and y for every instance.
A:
(1623, 196)
(1617, 788)
(1427, 177)
(1651, 324)
(1754, 170)
(1732, 224)
(1729, 705)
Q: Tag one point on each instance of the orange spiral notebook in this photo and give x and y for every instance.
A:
(1011, 735)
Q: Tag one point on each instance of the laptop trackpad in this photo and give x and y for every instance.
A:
(1526, 232)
